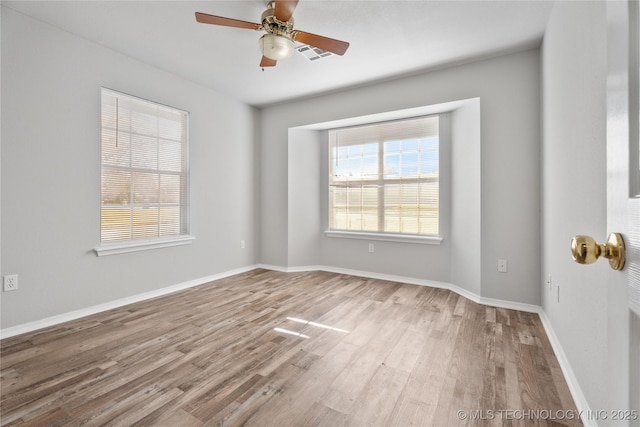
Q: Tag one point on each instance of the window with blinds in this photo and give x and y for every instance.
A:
(384, 177)
(145, 180)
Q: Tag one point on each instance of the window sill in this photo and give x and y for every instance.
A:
(387, 237)
(141, 245)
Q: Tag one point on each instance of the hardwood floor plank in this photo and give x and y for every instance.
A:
(170, 418)
(376, 402)
(34, 399)
(253, 409)
(354, 378)
(410, 412)
(54, 418)
(270, 348)
(405, 353)
(300, 395)
(321, 416)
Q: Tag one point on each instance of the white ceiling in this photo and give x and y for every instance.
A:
(388, 39)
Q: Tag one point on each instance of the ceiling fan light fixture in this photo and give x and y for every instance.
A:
(276, 47)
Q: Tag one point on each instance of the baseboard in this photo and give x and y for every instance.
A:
(576, 392)
(77, 314)
(512, 305)
(290, 269)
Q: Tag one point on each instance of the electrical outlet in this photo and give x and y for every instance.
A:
(502, 265)
(242, 244)
(10, 282)
(371, 248)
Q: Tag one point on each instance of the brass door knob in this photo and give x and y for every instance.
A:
(585, 250)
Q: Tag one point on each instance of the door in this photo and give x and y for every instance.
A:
(623, 206)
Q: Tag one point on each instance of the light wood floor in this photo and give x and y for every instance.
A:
(268, 348)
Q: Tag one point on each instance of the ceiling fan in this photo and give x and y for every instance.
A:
(278, 43)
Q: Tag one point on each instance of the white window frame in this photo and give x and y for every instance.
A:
(139, 244)
(444, 147)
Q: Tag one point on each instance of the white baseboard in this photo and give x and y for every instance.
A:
(530, 308)
(574, 387)
(77, 314)
(576, 392)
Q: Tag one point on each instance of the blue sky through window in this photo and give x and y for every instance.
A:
(402, 159)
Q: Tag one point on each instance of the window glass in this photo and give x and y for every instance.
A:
(385, 177)
(144, 169)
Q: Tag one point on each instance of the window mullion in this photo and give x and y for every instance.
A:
(381, 185)
(131, 186)
(158, 225)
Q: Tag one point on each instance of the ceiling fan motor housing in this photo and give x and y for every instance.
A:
(273, 25)
(278, 43)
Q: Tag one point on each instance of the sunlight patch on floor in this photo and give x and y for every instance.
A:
(319, 325)
(286, 331)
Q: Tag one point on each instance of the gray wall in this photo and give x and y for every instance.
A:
(574, 187)
(304, 202)
(466, 242)
(51, 175)
(506, 171)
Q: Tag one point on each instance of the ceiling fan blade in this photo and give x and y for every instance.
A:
(227, 22)
(325, 43)
(284, 9)
(268, 62)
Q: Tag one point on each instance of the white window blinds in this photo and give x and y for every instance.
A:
(385, 177)
(145, 180)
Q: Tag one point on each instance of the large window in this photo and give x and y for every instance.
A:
(384, 178)
(145, 188)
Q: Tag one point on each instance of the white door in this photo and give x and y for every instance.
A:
(623, 207)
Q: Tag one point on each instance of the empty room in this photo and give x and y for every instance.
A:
(320, 213)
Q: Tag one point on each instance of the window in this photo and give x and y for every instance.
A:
(384, 178)
(145, 180)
